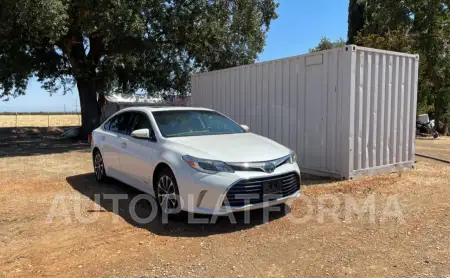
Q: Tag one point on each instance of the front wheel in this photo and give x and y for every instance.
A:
(167, 194)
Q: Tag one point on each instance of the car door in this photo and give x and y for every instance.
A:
(109, 140)
(119, 129)
(139, 157)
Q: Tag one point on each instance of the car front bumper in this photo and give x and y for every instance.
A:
(205, 194)
(224, 210)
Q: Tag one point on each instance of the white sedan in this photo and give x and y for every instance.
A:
(195, 160)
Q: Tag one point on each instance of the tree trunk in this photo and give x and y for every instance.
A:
(437, 114)
(90, 110)
(445, 129)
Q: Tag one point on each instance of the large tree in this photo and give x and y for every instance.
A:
(124, 45)
(419, 26)
(355, 20)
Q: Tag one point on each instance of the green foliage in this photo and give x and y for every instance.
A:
(394, 40)
(420, 26)
(382, 16)
(424, 108)
(326, 43)
(106, 46)
(124, 44)
(355, 19)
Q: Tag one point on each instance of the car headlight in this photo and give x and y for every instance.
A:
(293, 157)
(206, 165)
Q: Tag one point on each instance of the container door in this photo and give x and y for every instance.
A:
(314, 121)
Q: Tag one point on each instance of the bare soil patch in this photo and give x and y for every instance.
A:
(417, 244)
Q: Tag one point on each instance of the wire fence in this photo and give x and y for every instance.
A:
(30, 115)
(10, 108)
(42, 119)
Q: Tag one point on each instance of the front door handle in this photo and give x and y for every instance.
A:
(124, 145)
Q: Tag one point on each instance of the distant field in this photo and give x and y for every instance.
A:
(39, 120)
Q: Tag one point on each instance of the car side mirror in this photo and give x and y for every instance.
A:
(143, 133)
(246, 128)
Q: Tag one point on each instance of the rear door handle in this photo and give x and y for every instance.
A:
(124, 145)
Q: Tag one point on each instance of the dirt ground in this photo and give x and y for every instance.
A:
(438, 148)
(407, 235)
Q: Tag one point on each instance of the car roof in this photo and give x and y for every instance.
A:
(163, 108)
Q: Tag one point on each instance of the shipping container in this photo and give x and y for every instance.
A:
(347, 111)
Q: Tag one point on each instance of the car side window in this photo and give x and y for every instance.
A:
(110, 124)
(121, 123)
(141, 121)
(107, 124)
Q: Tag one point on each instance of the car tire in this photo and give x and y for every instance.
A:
(99, 167)
(167, 193)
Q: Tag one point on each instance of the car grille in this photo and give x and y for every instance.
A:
(257, 166)
(251, 191)
(250, 168)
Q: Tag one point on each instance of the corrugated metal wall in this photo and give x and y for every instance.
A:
(385, 108)
(326, 106)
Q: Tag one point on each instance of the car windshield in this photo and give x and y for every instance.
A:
(194, 123)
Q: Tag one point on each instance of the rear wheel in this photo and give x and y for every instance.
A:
(167, 193)
(99, 166)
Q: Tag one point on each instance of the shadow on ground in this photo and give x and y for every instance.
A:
(426, 138)
(26, 141)
(180, 226)
(309, 180)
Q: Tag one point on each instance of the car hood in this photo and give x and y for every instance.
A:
(240, 147)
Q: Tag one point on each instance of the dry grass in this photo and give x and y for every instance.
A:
(114, 245)
(39, 120)
(439, 148)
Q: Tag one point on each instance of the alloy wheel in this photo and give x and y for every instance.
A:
(167, 196)
(99, 167)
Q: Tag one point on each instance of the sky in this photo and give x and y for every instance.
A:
(299, 26)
